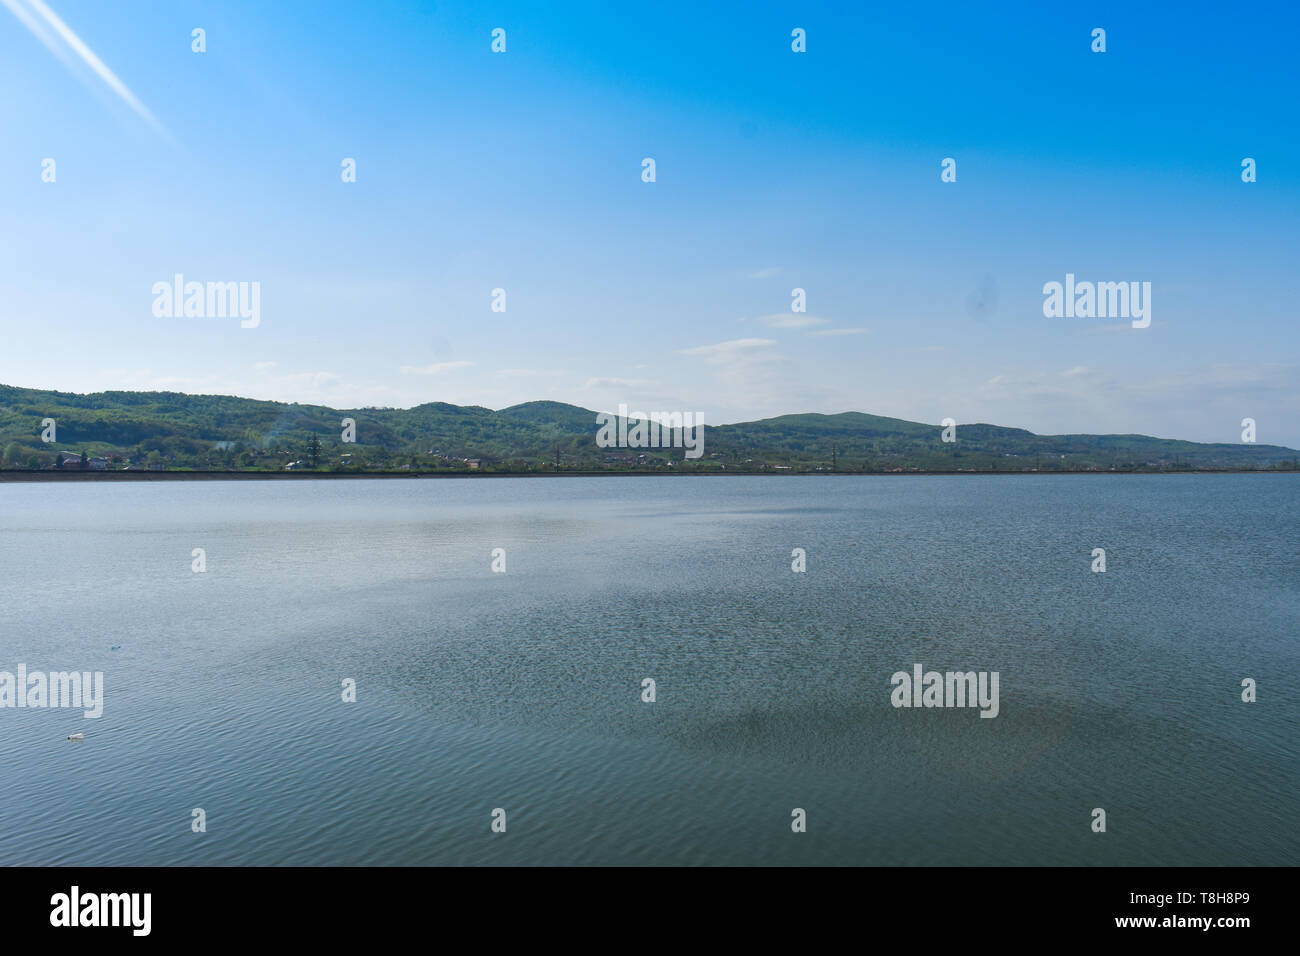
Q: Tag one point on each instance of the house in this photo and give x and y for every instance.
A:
(68, 461)
(98, 464)
(473, 463)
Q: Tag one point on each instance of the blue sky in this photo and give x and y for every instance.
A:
(775, 170)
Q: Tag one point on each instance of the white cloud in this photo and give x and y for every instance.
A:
(722, 353)
(1203, 404)
(435, 369)
(837, 332)
(791, 320)
(1110, 328)
(620, 383)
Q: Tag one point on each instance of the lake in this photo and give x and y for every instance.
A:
(523, 690)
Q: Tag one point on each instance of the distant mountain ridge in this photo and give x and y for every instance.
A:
(177, 430)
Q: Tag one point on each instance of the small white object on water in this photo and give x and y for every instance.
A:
(76, 736)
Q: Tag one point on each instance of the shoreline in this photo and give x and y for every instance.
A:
(112, 476)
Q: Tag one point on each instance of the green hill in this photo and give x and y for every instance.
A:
(171, 430)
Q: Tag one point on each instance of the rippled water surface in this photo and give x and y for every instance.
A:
(522, 690)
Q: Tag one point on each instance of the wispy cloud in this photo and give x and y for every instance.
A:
(1208, 402)
(755, 377)
(78, 46)
(1110, 328)
(621, 383)
(529, 373)
(434, 369)
(791, 320)
(837, 332)
(723, 352)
